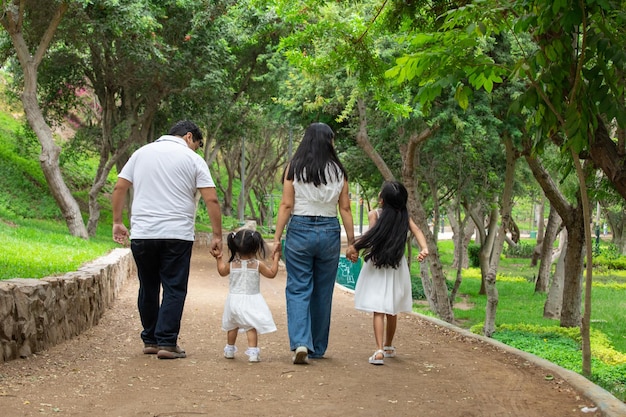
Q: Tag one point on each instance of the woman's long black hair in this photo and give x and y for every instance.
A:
(385, 241)
(312, 158)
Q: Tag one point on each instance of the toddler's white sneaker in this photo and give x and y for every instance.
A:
(253, 354)
(229, 351)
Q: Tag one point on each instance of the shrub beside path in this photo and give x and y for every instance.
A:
(440, 371)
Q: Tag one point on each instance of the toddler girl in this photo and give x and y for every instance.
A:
(246, 309)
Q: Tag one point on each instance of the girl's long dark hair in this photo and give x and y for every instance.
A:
(315, 153)
(384, 242)
(245, 242)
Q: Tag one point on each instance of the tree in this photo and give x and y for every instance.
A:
(32, 26)
(574, 74)
(340, 58)
(130, 77)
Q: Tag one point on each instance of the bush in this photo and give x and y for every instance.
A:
(418, 289)
(562, 347)
(609, 258)
(473, 252)
(521, 250)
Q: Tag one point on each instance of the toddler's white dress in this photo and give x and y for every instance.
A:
(384, 290)
(245, 307)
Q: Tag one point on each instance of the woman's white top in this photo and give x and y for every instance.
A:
(322, 200)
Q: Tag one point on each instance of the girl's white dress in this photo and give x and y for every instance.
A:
(384, 290)
(245, 306)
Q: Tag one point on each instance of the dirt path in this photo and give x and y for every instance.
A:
(438, 371)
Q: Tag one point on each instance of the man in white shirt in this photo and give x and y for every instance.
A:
(165, 176)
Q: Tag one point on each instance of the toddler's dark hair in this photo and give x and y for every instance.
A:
(245, 242)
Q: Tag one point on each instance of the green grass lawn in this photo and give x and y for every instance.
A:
(520, 322)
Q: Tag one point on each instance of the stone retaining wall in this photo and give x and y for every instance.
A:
(36, 314)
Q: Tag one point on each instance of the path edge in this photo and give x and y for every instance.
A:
(606, 402)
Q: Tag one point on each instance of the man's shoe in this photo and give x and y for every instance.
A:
(171, 352)
(149, 349)
(301, 356)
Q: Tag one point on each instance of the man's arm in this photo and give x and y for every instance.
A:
(209, 195)
(120, 232)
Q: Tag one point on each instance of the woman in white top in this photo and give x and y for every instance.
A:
(314, 185)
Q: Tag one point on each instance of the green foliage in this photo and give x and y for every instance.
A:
(418, 289)
(520, 321)
(473, 253)
(603, 261)
(521, 250)
(562, 347)
(23, 189)
(608, 257)
(39, 248)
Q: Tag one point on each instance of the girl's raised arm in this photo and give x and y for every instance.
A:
(421, 240)
(222, 267)
(270, 272)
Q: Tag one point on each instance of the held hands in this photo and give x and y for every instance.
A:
(216, 247)
(422, 255)
(277, 248)
(352, 254)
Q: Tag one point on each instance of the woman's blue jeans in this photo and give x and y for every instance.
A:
(161, 263)
(312, 248)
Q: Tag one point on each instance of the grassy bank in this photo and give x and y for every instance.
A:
(520, 322)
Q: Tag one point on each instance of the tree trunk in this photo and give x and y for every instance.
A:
(427, 285)
(607, 156)
(506, 208)
(572, 287)
(540, 235)
(573, 221)
(487, 248)
(461, 238)
(617, 223)
(585, 325)
(458, 228)
(12, 20)
(440, 289)
(554, 301)
(552, 228)
(436, 212)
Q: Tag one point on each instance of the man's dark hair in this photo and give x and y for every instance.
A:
(182, 127)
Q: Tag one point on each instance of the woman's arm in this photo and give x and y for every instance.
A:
(345, 211)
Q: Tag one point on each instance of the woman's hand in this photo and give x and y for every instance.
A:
(277, 247)
(352, 254)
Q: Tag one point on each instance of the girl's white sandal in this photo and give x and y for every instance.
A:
(390, 351)
(375, 361)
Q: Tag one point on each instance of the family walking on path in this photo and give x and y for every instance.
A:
(437, 371)
(165, 176)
